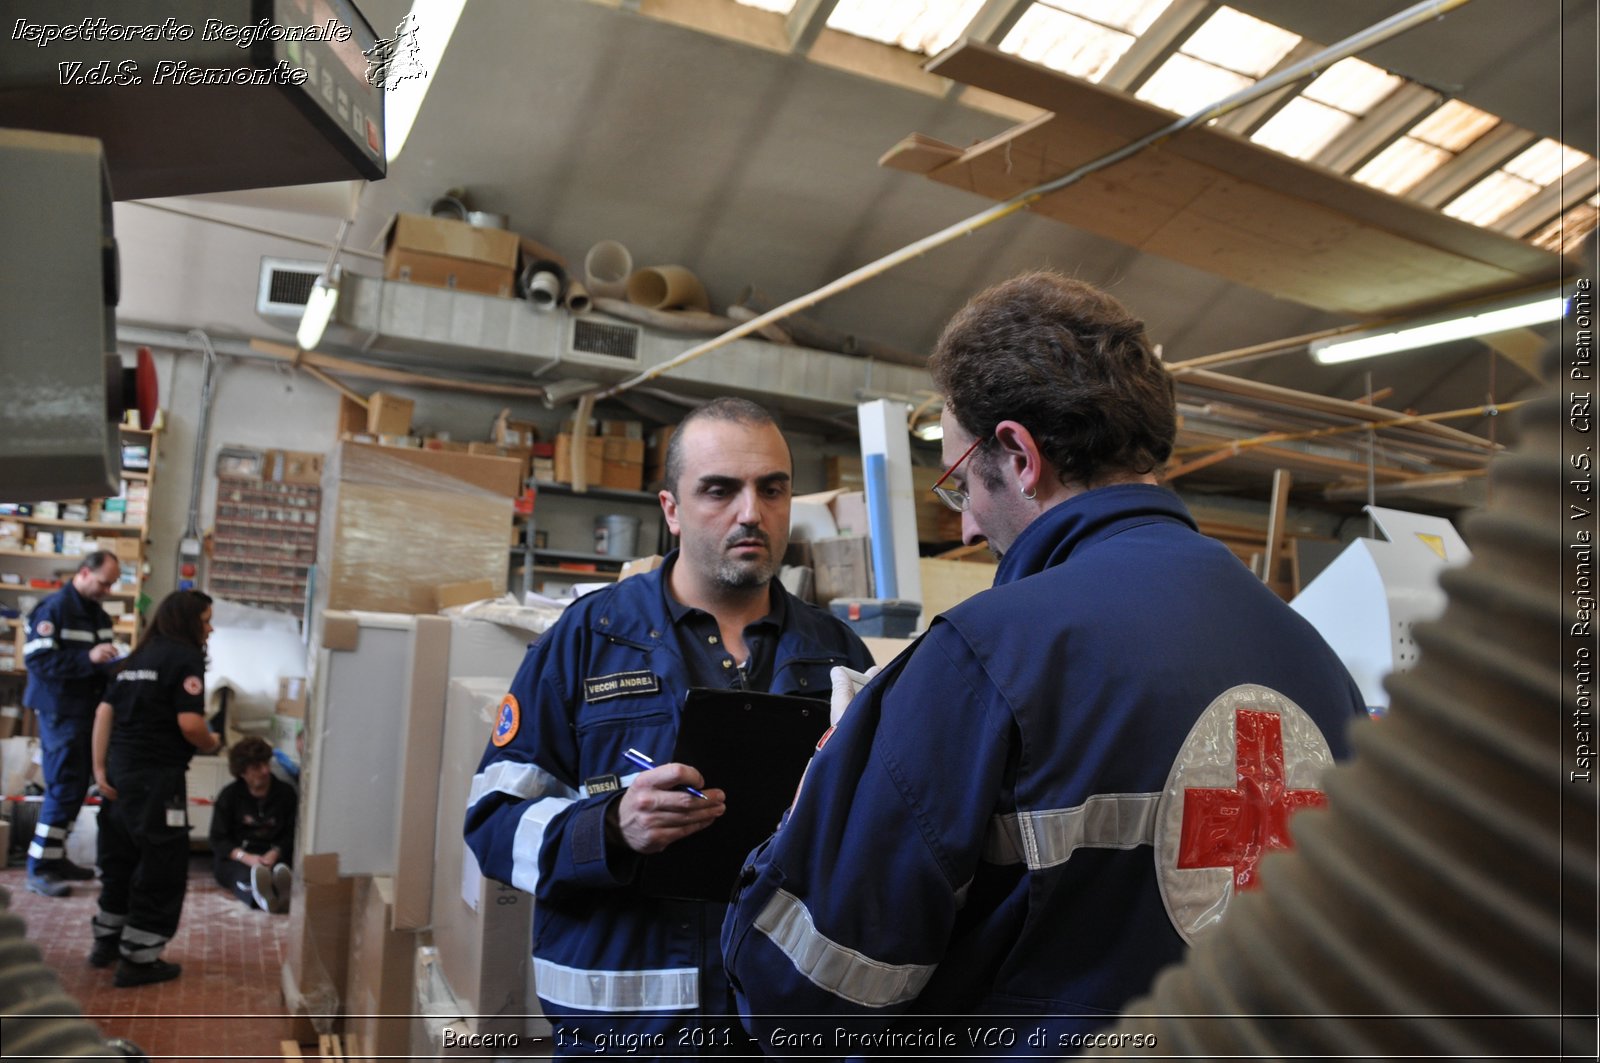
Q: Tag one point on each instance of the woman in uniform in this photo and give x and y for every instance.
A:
(151, 723)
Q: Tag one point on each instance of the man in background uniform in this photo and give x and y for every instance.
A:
(67, 652)
(556, 808)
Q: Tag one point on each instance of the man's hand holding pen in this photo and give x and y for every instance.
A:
(656, 809)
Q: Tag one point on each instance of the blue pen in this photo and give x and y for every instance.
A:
(646, 763)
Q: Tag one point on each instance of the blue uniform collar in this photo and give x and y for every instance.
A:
(1085, 519)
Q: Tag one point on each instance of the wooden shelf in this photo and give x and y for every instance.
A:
(573, 574)
(135, 474)
(80, 525)
(610, 494)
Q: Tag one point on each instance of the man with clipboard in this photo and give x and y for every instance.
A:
(626, 954)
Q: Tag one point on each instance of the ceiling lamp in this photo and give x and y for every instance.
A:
(1438, 330)
(319, 309)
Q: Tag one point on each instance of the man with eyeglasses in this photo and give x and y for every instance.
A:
(1070, 775)
(68, 649)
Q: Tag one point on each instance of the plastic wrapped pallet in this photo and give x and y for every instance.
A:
(399, 522)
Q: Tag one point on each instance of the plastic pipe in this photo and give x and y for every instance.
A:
(606, 268)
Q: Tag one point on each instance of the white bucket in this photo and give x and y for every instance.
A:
(616, 535)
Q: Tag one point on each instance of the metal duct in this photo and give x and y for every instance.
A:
(1423, 912)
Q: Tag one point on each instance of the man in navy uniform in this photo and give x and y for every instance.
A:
(556, 808)
(68, 651)
(1070, 774)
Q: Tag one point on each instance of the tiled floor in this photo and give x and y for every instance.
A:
(227, 1003)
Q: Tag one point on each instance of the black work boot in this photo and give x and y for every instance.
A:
(134, 974)
(48, 884)
(105, 952)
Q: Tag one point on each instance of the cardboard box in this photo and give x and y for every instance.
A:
(445, 253)
(514, 434)
(352, 417)
(475, 590)
(827, 514)
(641, 565)
(619, 449)
(292, 696)
(936, 522)
(503, 476)
(483, 929)
(423, 702)
(843, 568)
(435, 443)
(884, 650)
(622, 475)
(593, 459)
(318, 953)
(380, 986)
(947, 583)
(389, 415)
(630, 430)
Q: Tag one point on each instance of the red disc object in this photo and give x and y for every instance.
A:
(186, 570)
(148, 390)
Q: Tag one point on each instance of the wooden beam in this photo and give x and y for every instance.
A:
(313, 360)
(1157, 43)
(1552, 202)
(1276, 516)
(1379, 127)
(1475, 162)
(1255, 114)
(806, 21)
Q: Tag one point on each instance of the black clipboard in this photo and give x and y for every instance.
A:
(755, 747)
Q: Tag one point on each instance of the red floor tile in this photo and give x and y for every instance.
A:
(227, 1004)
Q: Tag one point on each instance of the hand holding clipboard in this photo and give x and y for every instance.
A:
(662, 807)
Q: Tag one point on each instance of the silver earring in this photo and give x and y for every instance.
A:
(1031, 495)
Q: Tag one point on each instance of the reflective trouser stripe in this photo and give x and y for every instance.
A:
(141, 946)
(611, 991)
(108, 924)
(49, 843)
(842, 971)
(74, 635)
(529, 841)
(1049, 837)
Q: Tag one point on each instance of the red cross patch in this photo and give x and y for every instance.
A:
(1251, 760)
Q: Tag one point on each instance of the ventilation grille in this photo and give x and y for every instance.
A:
(612, 341)
(285, 287)
(290, 286)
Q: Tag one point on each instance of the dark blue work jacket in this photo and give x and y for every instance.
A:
(61, 631)
(611, 675)
(1032, 810)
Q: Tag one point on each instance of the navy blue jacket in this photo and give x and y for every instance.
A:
(61, 631)
(1030, 811)
(606, 677)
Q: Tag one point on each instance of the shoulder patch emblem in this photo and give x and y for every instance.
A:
(1251, 760)
(506, 721)
(618, 684)
(44, 629)
(193, 685)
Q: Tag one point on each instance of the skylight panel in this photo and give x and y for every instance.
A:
(922, 26)
(1454, 126)
(1184, 84)
(1545, 162)
(1566, 233)
(1398, 168)
(1237, 42)
(782, 7)
(1302, 128)
(1491, 198)
(1129, 16)
(1352, 86)
(1066, 42)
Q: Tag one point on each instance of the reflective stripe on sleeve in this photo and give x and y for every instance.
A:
(74, 635)
(1049, 837)
(529, 841)
(105, 634)
(38, 644)
(842, 971)
(518, 780)
(610, 991)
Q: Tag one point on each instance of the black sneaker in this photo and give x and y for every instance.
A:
(66, 869)
(105, 952)
(132, 974)
(48, 884)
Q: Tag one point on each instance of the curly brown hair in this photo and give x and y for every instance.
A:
(1069, 363)
(247, 751)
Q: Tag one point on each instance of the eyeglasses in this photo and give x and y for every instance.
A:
(956, 500)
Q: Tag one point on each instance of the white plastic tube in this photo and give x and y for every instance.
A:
(606, 268)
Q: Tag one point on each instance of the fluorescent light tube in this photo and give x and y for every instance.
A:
(319, 309)
(1348, 349)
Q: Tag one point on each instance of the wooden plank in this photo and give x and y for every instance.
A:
(1218, 202)
(1276, 514)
